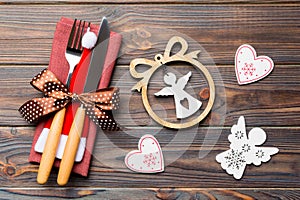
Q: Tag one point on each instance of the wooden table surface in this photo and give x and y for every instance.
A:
(220, 27)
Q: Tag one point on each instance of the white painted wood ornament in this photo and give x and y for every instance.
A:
(177, 90)
(148, 158)
(250, 68)
(245, 149)
(174, 88)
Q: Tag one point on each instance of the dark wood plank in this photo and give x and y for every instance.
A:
(272, 29)
(181, 149)
(220, 26)
(150, 193)
(273, 101)
(146, 1)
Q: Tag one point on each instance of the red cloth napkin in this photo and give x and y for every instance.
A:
(60, 67)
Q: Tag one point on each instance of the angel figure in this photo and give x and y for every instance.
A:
(177, 90)
(244, 149)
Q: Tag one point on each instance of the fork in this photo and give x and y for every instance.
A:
(74, 48)
(73, 55)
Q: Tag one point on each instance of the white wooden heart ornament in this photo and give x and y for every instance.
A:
(148, 158)
(250, 68)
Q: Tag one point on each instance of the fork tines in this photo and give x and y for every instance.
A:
(74, 43)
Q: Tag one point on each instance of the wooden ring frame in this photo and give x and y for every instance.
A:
(164, 59)
(194, 121)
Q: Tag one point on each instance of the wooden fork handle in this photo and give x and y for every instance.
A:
(51, 145)
(71, 147)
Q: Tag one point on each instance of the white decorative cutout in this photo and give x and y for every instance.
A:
(250, 68)
(149, 157)
(244, 150)
(177, 90)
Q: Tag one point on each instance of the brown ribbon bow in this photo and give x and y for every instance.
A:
(98, 104)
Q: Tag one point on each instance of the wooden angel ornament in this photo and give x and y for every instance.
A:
(175, 88)
(245, 149)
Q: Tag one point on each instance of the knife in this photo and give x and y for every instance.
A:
(94, 74)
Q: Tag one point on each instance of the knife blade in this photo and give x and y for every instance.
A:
(98, 57)
(92, 80)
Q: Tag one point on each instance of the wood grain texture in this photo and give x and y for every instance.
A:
(145, 1)
(273, 101)
(181, 152)
(220, 29)
(149, 194)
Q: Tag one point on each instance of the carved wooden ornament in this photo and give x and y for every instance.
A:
(160, 60)
(245, 149)
(148, 158)
(177, 90)
(249, 67)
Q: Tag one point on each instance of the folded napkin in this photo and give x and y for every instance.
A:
(60, 67)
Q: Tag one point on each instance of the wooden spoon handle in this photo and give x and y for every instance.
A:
(71, 147)
(51, 145)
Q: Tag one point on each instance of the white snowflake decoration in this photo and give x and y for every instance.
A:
(244, 150)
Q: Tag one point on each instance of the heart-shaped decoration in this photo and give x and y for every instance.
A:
(149, 157)
(185, 103)
(250, 68)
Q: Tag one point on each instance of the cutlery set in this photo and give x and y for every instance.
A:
(73, 54)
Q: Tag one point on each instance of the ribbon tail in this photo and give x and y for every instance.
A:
(103, 118)
(193, 55)
(36, 108)
(138, 86)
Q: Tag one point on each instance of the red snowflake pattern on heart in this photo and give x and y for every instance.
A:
(149, 160)
(248, 69)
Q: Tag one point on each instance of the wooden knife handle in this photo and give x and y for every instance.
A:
(50, 148)
(70, 151)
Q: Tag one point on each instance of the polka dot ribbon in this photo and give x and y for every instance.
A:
(98, 104)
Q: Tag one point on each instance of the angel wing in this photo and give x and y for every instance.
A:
(166, 91)
(257, 155)
(238, 134)
(261, 154)
(181, 83)
(233, 161)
